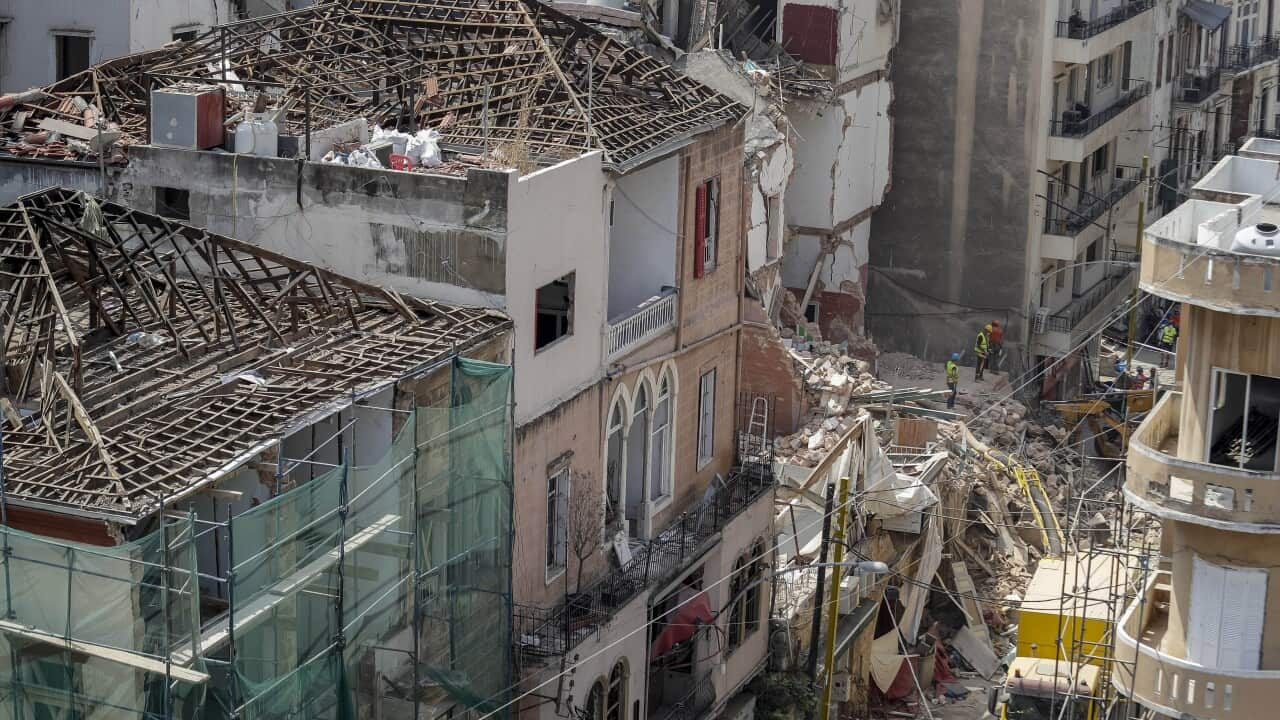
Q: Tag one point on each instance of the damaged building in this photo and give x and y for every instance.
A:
(1021, 131)
(240, 485)
(501, 156)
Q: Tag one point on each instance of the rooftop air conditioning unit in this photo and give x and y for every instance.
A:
(188, 116)
(1260, 239)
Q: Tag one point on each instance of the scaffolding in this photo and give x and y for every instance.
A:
(360, 583)
(1112, 566)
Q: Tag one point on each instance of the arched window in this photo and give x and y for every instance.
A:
(616, 701)
(660, 443)
(633, 477)
(745, 591)
(614, 470)
(594, 707)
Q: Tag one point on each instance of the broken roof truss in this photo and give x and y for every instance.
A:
(144, 357)
(486, 73)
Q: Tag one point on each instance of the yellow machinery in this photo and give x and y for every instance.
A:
(1068, 598)
(1028, 480)
(1104, 417)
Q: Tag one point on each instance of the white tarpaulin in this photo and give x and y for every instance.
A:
(890, 493)
(916, 593)
(885, 660)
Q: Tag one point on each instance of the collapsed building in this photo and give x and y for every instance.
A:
(506, 156)
(239, 484)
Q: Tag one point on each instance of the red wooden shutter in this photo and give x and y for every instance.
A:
(700, 232)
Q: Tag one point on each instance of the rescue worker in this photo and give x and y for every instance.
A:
(1168, 342)
(953, 380)
(995, 341)
(981, 346)
(1140, 382)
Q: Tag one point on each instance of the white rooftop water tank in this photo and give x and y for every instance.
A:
(1260, 239)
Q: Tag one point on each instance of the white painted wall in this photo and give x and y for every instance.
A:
(865, 36)
(843, 160)
(557, 224)
(118, 27)
(642, 239)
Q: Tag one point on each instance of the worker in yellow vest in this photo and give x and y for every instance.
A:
(953, 380)
(1168, 342)
(980, 348)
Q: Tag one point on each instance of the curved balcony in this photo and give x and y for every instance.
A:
(1210, 276)
(1152, 668)
(1199, 492)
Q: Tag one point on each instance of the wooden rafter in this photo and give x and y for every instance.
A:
(126, 336)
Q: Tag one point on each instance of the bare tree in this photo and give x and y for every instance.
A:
(586, 523)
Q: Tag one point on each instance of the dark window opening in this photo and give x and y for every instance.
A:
(173, 203)
(72, 54)
(554, 311)
(811, 312)
(188, 35)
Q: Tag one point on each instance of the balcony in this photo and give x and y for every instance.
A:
(1078, 310)
(1151, 667)
(1193, 491)
(1070, 221)
(541, 634)
(640, 324)
(1203, 270)
(1195, 88)
(1078, 132)
(1243, 57)
(1081, 40)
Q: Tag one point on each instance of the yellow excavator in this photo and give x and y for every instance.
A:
(1103, 418)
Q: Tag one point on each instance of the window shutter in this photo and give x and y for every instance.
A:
(700, 232)
(562, 518)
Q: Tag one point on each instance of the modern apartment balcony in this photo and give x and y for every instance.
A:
(1152, 668)
(1071, 221)
(1202, 268)
(1082, 40)
(1167, 485)
(1057, 332)
(1198, 87)
(641, 324)
(546, 633)
(1078, 132)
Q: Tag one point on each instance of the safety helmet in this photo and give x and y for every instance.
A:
(955, 356)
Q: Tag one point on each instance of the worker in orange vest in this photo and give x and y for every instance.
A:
(995, 345)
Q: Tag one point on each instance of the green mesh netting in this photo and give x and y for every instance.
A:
(119, 602)
(380, 583)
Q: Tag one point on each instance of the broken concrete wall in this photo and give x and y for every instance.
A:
(838, 287)
(20, 177)
(431, 236)
(951, 238)
(769, 371)
(769, 156)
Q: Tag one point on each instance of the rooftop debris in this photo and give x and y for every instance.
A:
(144, 357)
(484, 73)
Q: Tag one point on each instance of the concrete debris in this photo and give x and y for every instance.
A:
(831, 378)
(907, 366)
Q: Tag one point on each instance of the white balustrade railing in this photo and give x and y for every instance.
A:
(646, 321)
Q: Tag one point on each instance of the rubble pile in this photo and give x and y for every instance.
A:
(907, 366)
(831, 378)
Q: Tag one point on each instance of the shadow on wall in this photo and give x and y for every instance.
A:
(902, 319)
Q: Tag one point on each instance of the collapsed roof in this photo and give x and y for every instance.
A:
(145, 357)
(501, 71)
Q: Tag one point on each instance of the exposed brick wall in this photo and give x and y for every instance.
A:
(709, 304)
(768, 370)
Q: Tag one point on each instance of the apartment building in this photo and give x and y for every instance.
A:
(602, 204)
(1226, 58)
(237, 484)
(45, 41)
(1199, 639)
(1019, 135)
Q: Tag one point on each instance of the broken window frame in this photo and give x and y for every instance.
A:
(60, 52)
(566, 316)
